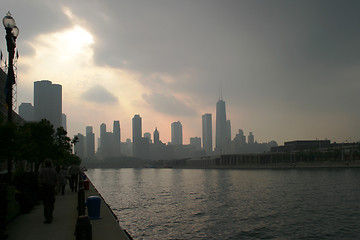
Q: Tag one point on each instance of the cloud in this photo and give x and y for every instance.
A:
(168, 104)
(99, 94)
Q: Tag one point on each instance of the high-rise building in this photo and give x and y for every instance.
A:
(148, 136)
(196, 142)
(136, 135)
(117, 138)
(48, 102)
(63, 121)
(156, 136)
(251, 138)
(207, 132)
(26, 111)
(221, 133)
(228, 131)
(102, 135)
(90, 142)
(176, 133)
(79, 147)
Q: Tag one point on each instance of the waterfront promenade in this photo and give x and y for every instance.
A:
(31, 226)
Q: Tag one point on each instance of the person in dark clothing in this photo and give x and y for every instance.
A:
(47, 184)
(74, 171)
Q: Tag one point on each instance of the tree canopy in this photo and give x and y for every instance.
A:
(34, 142)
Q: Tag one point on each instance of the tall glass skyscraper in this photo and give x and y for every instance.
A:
(207, 132)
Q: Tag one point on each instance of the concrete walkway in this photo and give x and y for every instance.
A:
(30, 226)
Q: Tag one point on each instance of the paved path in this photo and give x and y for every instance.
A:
(30, 226)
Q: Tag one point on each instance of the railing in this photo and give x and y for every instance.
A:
(83, 229)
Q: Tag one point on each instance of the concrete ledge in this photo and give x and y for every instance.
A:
(107, 227)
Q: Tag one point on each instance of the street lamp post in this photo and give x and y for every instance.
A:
(12, 32)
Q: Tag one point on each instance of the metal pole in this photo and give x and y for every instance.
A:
(10, 41)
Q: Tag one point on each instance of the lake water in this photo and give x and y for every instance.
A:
(233, 204)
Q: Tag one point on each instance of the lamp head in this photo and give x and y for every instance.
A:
(15, 31)
(9, 21)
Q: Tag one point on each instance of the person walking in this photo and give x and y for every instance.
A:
(74, 171)
(47, 183)
(62, 180)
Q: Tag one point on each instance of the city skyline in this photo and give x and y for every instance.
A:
(288, 70)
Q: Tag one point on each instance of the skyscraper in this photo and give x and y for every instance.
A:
(221, 134)
(26, 111)
(207, 132)
(228, 132)
(251, 138)
(102, 135)
(79, 147)
(90, 142)
(156, 136)
(117, 138)
(148, 136)
(176, 133)
(196, 142)
(63, 121)
(136, 135)
(48, 102)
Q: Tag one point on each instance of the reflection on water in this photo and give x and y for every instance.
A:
(233, 204)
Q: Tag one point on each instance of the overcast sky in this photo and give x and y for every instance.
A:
(289, 70)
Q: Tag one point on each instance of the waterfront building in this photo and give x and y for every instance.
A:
(48, 102)
(89, 142)
(221, 133)
(251, 138)
(148, 136)
(117, 138)
(63, 121)
(156, 136)
(196, 143)
(228, 132)
(136, 135)
(26, 111)
(79, 147)
(102, 135)
(176, 133)
(207, 132)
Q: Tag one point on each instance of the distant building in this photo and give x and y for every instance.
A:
(136, 135)
(176, 133)
(79, 148)
(26, 111)
(117, 138)
(156, 136)
(102, 135)
(48, 102)
(251, 138)
(302, 145)
(63, 121)
(148, 136)
(207, 132)
(90, 142)
(196, 142)
(228, 132)
(221, 126)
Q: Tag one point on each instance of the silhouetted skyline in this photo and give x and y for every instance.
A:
(288, 69)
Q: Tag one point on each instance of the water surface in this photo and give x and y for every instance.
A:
(233, 204)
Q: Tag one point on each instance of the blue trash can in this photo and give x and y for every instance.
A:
(93, 207)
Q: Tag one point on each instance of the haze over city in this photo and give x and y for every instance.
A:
(287, 69)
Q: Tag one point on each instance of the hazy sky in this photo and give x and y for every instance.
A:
(289, 70)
